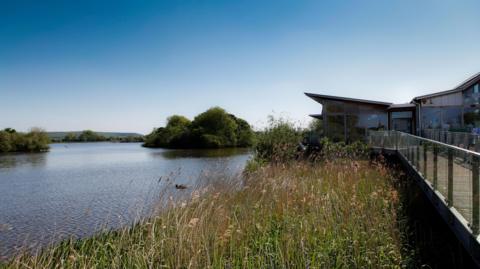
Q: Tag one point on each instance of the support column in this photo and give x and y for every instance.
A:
(450, 177)
(475, 194)
(425, 146)
(435, 167)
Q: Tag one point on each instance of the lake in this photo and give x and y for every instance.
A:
(78, 189)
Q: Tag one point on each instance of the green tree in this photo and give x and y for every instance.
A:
(33, 141)
(244, 133)
(5, 141)
(215, 128)
(70, 137)
(90, 136)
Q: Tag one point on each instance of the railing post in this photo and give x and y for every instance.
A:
(450, 177)
(435, 166)
(425, 159)
(417, 157)
(477, 144)
(410, 150)
(395, 134)
(475, 194)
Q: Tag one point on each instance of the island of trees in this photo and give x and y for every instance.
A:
(214, 128)
(36, 140)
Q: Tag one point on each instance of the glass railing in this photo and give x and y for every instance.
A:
(452, 171)
(460, 139)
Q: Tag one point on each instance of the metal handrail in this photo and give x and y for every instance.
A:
(465, 138)
(441, 143)
(409, 147)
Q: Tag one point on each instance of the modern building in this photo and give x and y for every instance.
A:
(350, 119)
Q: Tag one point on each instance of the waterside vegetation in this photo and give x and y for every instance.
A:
(214, 128)
(319, 215)
(91, 136)
(36, 140)
(336, 209)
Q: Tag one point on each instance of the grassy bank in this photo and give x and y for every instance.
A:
(330, 215)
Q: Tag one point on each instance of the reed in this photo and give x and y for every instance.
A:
(342, 214)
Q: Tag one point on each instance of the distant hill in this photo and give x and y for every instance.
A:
(61, 135)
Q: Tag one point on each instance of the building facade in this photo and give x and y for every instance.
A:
(349, 119)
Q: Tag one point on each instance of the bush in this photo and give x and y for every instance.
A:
(35, 140)
(214, 128)
(278, 142)
(340, 150)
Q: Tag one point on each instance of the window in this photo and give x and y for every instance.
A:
(471, 117)
(401, 115)
(431, 117)
(451, 118)
(442, 117)
(335, 127)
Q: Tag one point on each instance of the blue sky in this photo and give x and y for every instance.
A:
(127, 65)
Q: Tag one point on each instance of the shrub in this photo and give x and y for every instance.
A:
(34, 141)
(278, 142)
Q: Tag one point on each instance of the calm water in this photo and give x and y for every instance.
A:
(78, 189)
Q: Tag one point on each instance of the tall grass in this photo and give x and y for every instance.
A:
(341, 214)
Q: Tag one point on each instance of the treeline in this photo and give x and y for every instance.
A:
(214, 128)
(36, 140)
(91, 136)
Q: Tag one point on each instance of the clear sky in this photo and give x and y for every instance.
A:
(127, 65)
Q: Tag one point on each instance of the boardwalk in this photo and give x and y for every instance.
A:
(449, 177)
(462, 180)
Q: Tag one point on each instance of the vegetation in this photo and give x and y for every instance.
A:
(333, 209)
(91, 136)
(320, 215)
(36, 140)
(278, 142)
(214, 128)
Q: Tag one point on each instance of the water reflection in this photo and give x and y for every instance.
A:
(12, 160)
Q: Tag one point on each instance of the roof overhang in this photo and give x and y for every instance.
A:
(320, 97)
(463, 86)
(401, 106)
(316, 116)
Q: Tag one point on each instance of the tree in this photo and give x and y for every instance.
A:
(214, 128)
(244, 133)
(5, 141)
(90, 136)
(70, 137)
(34, 141)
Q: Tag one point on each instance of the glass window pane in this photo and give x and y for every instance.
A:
(335, 127)
(334, 107)
(431, 117)
(401, 114)
(451, 118)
